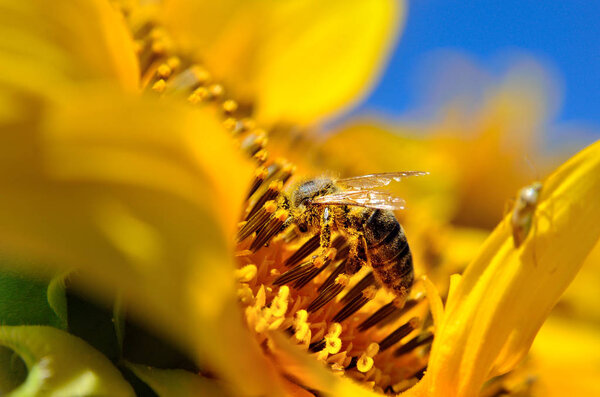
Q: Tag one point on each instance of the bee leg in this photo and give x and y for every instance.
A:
(326, 224)
(357, 257)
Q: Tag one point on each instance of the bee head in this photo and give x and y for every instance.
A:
(303, 195)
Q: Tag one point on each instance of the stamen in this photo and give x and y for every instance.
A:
(329, 293)
(381, 314)
(419, 340)
(257, 221)
(159, 86)
(259, 176)
(272, 192)
(188, 80)
(294, 273)
(253, 143)
(365, 361)
(333, 276)
(399, 333)
(246, 274)
(261, 156)
(272, 227)
(229, 106)
(306, 249)
(355, 304)
(357, 289)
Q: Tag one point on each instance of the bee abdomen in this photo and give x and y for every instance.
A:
(389, 252)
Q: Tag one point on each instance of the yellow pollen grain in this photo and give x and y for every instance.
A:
(282, 215)
(342, 279)
(372, 349)
(173, 62)
(335, 330)
(331, 253)
(370, 292)
(159, 47)
(261, 156)
(230, 124)
(333, 344)
(216, 91)
(248, 124)
(301, 316)
(245, 295)
(164, 71)
(159, 86)
(246, 274)
(261, 172)
(201, 75)
(279, 305)
(199, 95)
(270, 206)
(364, 363)
(230, 106)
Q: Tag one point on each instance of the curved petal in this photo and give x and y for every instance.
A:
(297, 61)
(139, 195)
(76, 40)
(61, 364)
(176, 382)
(506, 294)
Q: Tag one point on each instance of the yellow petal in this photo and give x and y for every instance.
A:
(61, 364)
(176, 382)
(141, 195)
(76, 40)
(566, 358)
(297, 61)
(505, 295)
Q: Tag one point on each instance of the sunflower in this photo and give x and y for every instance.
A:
(131, 133)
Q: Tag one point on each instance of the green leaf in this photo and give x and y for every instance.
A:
(31, 300)
(176, 382)
(60, 364)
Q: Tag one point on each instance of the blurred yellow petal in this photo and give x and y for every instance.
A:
(61, 364)
(506, 294)
(297, 61)
(139, 195)
(74, 40)
(176, 382)
(566, 358)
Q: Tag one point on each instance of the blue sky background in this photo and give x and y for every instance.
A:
(563, 35)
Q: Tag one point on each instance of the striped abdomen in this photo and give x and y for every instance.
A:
(388, 252)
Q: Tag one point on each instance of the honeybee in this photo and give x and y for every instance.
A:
(522, 214)
(364, 216)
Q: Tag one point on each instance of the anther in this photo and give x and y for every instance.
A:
(328, 293)
(216, 91)
(380, 314)
(164, 71)
(159, 86)
(253, 143)
(355, 304)
(306, 249)
(257, 221)
(357, 289)
(270, 194)
(419, 340)
(261, 156)
(294, 273)
(259, 176)
(246, 273)
(319, 264)
(229, 106)
(188, 80)
(332, 277)
(365, 361)
(399, 333)
(272, 227)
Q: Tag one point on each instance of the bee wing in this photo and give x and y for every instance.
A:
(362, 198)
(372, 181)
